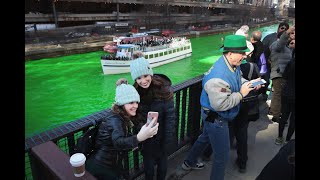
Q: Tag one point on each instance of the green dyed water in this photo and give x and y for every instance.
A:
(60, 90)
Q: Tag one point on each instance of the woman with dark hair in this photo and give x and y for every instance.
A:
(114, 136)
(156, 95)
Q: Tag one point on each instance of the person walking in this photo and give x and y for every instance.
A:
(223, 89)
(114, 135)
(156, 95)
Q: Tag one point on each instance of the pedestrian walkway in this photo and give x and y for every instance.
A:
(261, 149)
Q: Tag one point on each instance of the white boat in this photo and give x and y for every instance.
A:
(162, 52)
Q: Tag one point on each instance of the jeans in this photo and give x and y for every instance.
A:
(217, 134)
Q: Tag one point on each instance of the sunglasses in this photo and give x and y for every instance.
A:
(283, 28)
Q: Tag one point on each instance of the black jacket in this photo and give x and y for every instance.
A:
(258, 50)
(165, 140)
(289, 86)
(113, 138)
(282, 165)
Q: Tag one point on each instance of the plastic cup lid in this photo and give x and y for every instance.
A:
(77, 159)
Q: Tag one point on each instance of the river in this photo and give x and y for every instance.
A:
(63, 89)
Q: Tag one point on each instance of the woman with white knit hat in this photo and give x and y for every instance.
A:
(114, 134)
(156, 95)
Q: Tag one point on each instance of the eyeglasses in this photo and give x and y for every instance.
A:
(292, 43)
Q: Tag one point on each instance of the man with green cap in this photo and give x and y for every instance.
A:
(223, 89)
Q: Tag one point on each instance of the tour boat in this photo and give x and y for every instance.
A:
(157, 50)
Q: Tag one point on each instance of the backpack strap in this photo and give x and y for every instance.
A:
(256, 68)
(250, 71)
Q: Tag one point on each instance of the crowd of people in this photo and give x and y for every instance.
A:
(227, 90)
(225, 110)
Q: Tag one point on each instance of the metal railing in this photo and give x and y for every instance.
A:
(187, 116)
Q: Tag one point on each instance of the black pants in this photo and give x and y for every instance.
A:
(100, 171)
(287, 107)
(238, 129)
(150, 161)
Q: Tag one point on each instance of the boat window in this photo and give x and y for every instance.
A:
(188, 47)
(181, 49)
(146, 56)
(175, 50)
(156, 55)
(184, 48)
(178, 49)
(161, 54)
(151, 56)
(170, 52)
(166, 52)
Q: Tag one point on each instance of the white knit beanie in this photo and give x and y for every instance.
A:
(126, 93)
(139, 67)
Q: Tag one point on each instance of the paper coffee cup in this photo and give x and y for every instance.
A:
(77, 162)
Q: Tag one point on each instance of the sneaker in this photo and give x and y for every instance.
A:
(242, 167)
(279, 141)
(187, 167)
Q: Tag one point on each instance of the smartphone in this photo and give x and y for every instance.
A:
(151, 115)
(262, 81)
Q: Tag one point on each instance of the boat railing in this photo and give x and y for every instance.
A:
(187, 117)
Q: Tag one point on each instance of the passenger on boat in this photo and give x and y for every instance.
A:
(156, 95)
(114, 138)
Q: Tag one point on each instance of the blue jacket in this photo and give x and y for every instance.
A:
(221, 89)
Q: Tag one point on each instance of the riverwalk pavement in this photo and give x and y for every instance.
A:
(261, 149)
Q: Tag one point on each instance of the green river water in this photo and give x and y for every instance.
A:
(63, 89)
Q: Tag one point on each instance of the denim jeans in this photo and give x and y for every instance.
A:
(216, 134)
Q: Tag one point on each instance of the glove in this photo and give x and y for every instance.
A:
(147, 131)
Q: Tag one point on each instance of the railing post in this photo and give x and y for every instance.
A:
(194, 111)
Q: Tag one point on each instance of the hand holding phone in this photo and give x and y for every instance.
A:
(260, 82)
(152, 115)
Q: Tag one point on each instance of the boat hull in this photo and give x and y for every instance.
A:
(123, 66)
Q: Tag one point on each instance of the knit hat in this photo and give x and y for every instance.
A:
(126, 93)
(139, 67)
(234, 43)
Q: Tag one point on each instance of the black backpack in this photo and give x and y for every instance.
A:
(252, 100)
(86, 143)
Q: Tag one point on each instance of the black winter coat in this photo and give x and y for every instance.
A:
(258, 50)
(289, 86)
(165, 140)
(113, 138)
